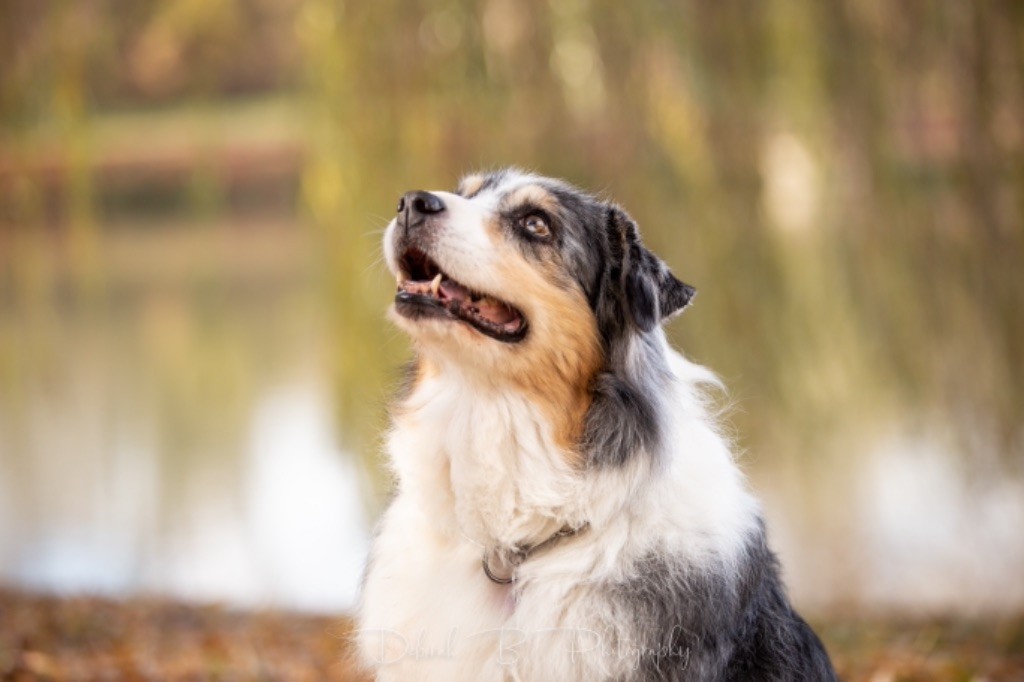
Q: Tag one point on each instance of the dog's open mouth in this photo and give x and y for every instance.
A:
(424, 290)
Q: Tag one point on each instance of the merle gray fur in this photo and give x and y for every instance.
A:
(734, 623)
(730, 623)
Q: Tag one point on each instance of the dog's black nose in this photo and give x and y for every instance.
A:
(423, 203)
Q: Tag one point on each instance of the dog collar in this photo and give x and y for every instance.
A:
(500, 564)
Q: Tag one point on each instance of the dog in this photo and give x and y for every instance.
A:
(565, 506)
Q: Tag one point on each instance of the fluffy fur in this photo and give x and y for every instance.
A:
(589, 420)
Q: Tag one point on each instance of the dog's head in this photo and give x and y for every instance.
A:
(525, 281)
(512, 267)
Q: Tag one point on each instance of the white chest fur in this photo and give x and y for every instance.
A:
(476, 469)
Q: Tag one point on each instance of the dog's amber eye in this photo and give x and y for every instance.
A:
(537, 226)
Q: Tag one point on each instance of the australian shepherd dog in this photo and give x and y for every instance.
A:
(565, 507)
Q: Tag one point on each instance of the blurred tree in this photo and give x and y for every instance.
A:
(843, 181)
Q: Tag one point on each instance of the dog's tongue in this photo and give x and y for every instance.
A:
(496, 312)
(455, 291)
(487, 307)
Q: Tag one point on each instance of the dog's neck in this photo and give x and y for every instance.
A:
(491, 455)
(480, 466)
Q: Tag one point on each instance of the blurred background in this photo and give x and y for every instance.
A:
(194, 362)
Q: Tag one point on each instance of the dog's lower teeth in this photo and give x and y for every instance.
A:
(435, 284)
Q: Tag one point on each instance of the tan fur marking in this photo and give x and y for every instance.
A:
(555, 365)
(557, 361)
(533, 194)
(493, 228)
(470, 185)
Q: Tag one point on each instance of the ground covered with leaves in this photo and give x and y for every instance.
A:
(80, 638)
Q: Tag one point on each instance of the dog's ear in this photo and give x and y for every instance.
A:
(650, 292)
(634, 293)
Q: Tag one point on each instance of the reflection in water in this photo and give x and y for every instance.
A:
(173, 449)
(284, 526)
(932, 537)
(902, 526)
(305, 509)
(178, 434)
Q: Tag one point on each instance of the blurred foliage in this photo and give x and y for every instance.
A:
(89, 638)
(44, 638)
(843, 181)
